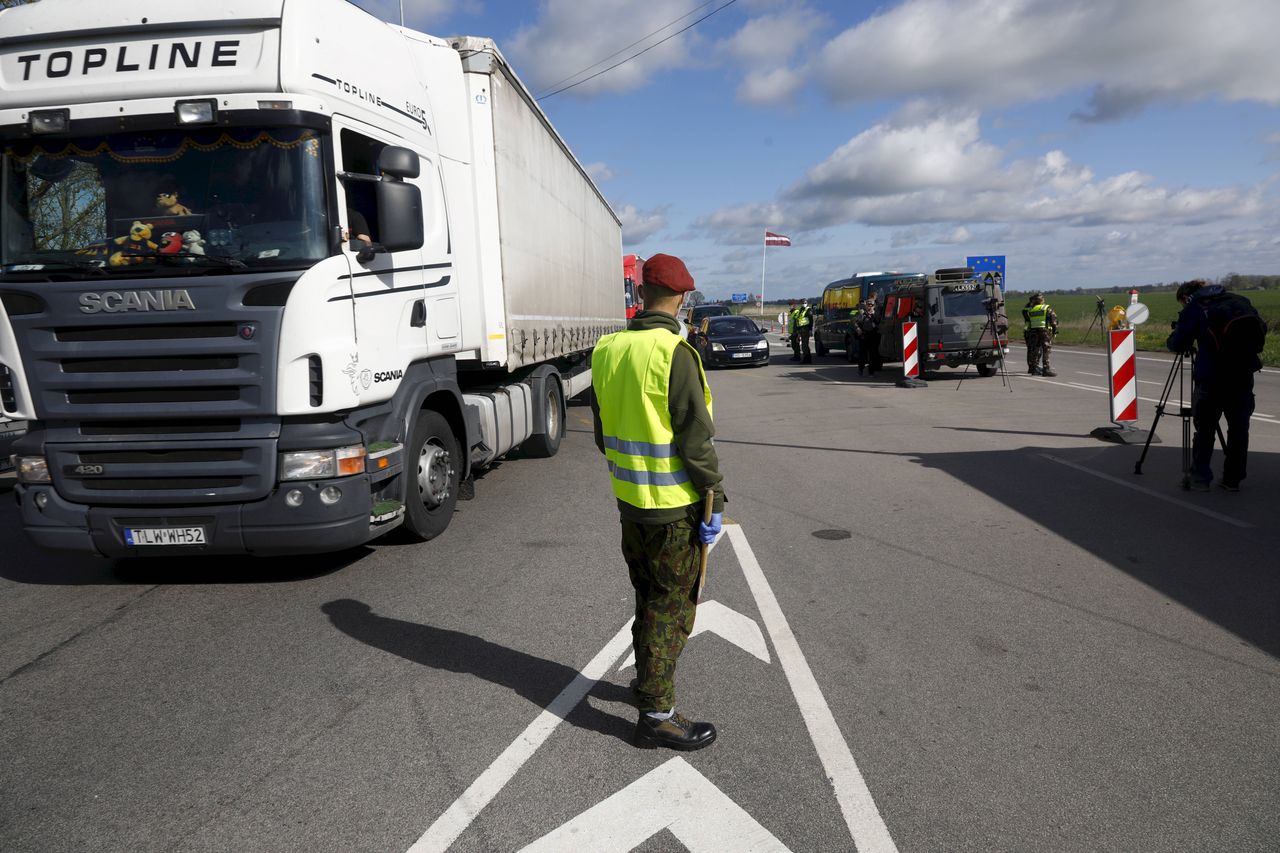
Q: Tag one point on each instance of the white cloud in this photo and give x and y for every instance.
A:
(919, 168)
(954, 237)
(639, 224)
(1130, 52)
(775, 86)
(569, 36)
(599, 172)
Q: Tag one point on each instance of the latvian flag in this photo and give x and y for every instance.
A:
(771, 239)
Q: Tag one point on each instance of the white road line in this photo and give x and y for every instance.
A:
(1258, 416)
(1087, 373)
(1104, 355)
(1152, 493)
(866, 826)
(467, 807)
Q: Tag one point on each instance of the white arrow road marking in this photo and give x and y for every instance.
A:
(674, 797)
(467, 807)
(861, 815)
(740, 630)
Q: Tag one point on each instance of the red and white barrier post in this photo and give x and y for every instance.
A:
(910, 358)
(1124, 379)
(1122, 390)
(910, 352)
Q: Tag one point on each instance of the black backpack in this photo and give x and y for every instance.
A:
(1236, 331)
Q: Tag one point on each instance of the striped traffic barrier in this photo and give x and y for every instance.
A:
(910, 354)
(1124, 379)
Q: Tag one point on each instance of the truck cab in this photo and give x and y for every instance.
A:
(840, 303)
(959, 320)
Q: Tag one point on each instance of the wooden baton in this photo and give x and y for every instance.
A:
(706, 547)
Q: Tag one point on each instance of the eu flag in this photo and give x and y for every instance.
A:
(982, 264)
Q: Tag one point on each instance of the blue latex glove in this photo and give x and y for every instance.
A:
(707, 533)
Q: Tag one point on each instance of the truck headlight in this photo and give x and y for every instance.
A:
(322, 464)
(717, 347)
(31, 469)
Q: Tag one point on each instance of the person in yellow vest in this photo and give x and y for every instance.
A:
(652, 408)
(1042, 324)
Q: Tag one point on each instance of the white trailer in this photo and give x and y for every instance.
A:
(276, 275)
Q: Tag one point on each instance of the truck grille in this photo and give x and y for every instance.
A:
(155, 408)
(168, 473)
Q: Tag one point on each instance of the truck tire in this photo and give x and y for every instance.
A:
(434, 465)
(545, 444)
(819, 348)
(986, 370)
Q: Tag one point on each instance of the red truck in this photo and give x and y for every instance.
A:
(632, 270)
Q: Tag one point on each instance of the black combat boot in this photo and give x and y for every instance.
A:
(675, 733)
(1048, 372)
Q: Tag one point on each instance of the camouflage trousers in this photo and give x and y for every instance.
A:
(1039, 346)
(663, 562)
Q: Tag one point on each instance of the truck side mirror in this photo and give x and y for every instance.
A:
(400, 222)
(399, 162)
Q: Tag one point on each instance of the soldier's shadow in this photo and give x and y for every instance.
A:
(536, 679)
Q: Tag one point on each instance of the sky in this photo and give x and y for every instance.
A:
(1093, 143)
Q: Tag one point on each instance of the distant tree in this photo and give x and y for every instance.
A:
(695, 297)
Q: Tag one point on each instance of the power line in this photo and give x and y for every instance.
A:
(641, 53)
(628, 47)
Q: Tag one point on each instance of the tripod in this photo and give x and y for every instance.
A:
(1177, 374)
(1100, 319)
(990, 305)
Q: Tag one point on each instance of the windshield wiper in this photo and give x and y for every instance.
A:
(44, 266)
(215, 260)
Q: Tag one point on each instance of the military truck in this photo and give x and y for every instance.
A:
(961, 320)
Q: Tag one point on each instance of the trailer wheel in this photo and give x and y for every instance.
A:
(986, 370)
(546, 443)
(434, 467)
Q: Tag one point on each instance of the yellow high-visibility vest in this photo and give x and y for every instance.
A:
(631, 374)
(1037, 316)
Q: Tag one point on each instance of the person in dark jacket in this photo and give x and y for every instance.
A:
(652, 408)
(1222, 386)
(867, 331)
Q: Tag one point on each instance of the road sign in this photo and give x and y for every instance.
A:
(741, 297)
(988, 268)
(1124, 383)
(1137, 313)
(910, 356)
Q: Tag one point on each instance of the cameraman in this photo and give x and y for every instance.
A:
(1222, 384)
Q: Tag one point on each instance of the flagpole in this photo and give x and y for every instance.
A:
(764, 251)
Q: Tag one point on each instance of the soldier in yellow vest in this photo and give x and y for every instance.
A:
(1042, 325)
(652, 407)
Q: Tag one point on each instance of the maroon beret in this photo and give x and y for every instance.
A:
(668, 271)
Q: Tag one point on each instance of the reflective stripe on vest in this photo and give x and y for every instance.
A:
(631, 376)
(802, 317)
(1038, 316)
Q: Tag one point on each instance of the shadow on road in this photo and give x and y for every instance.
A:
(536, 679)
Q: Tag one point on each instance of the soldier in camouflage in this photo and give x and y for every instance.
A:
(652, 408)
(1042, 326)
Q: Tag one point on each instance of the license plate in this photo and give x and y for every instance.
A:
(139, 536)
(742, 355)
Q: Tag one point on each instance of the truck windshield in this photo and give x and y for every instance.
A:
(145, 203)
(964, 302)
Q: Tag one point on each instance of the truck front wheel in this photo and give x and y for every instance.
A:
(986, 370)
(434, 467)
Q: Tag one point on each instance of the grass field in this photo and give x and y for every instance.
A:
(1076, 311)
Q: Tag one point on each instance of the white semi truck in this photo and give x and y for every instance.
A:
(277, 276)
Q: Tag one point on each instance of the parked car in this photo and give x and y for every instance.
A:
(730, 340)
(700, 312)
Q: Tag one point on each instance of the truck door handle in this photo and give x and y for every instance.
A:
(419, 317)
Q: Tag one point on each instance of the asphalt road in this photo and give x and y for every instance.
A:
(944, 619)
